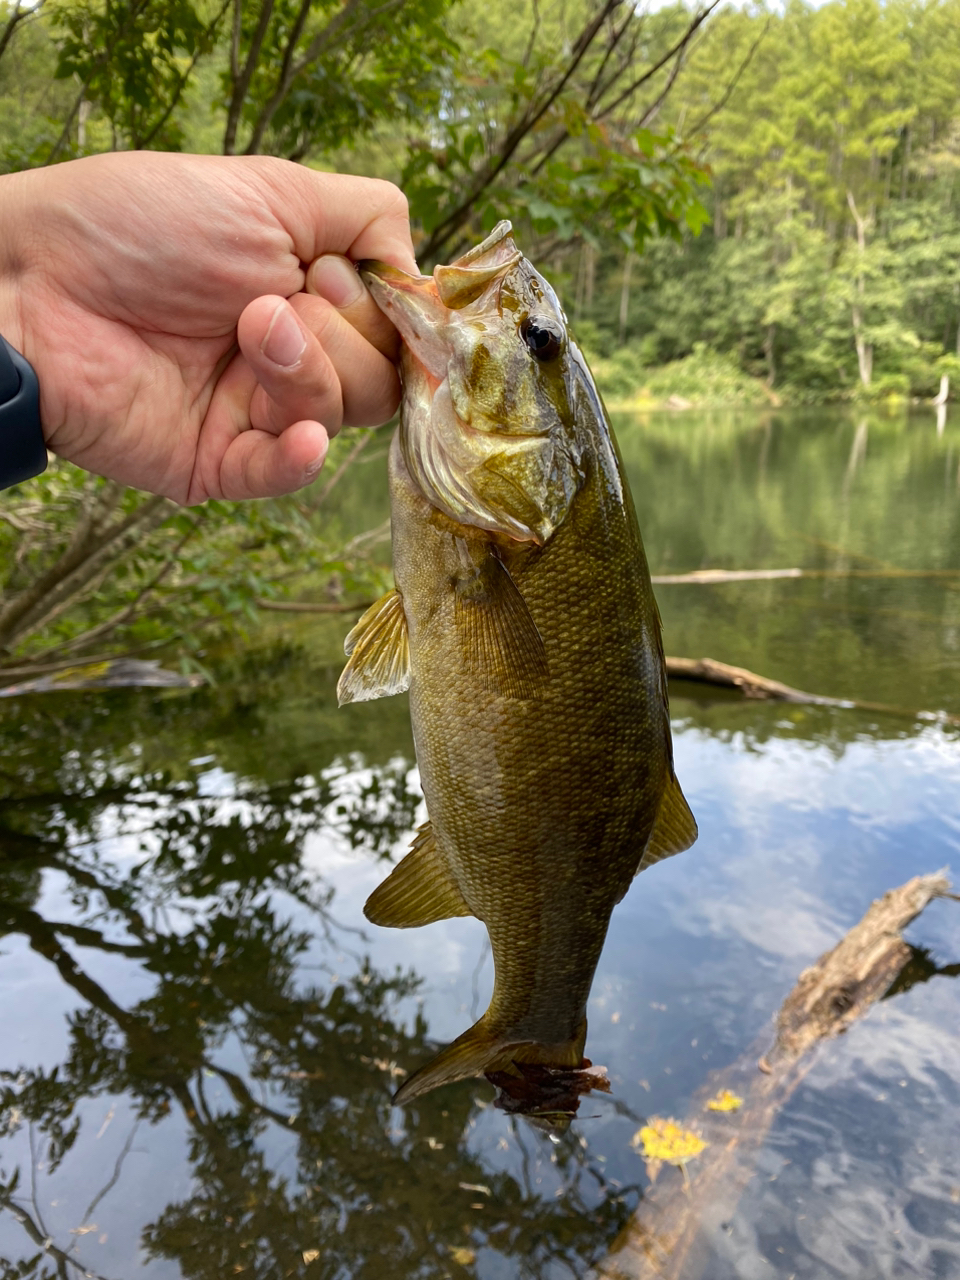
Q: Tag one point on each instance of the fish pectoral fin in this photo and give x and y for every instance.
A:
(674, 829)
(419, 890)
(378, 653)
(499, 640)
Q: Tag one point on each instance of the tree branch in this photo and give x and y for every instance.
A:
(241, 83)
(725, 98)
(676, 48)
(16, 17)
(455, 219)
(182, 78)
(322, 41)
(127, 612)
(81, 563)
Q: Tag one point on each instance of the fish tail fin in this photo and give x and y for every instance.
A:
(481, 1050)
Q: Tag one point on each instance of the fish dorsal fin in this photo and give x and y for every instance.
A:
(499, 640)
(378, 653)
(674, 830)
(419, 890)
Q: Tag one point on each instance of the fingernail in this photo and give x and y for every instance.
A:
(285, 341)
(311, 469)
(336, 279)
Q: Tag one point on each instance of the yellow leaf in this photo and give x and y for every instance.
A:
(310, 1255)
(462, 1255)
(666, 1140)
(726, 1100)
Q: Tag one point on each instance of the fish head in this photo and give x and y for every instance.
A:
(488, 429)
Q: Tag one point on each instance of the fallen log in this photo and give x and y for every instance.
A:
(710, 577)
(310, 606)
(110, 673)
(751, 685)
(667, 1236)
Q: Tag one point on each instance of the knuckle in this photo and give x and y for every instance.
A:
(392, 198)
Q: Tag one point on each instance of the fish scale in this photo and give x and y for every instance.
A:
(529, 638)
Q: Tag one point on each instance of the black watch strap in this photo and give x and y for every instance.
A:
(22, 451)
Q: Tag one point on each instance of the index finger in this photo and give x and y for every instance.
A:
(340, 213)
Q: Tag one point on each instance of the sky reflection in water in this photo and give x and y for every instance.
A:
(200, 1033)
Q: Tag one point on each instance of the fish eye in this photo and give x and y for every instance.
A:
(541, 338)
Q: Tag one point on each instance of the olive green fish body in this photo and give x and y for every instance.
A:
(529, 637)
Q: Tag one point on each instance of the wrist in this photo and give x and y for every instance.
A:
(12, 214)
(22, 450)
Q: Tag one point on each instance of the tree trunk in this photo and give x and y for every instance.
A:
(864, 348)
(768, 351)
(905, 165)
(625, 296)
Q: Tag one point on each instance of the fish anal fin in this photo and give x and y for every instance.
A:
(378, 653)
(481, 1050)
(674, 829)
(419, 890)
(499, 640)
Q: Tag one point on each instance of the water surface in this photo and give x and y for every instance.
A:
(199, 1032)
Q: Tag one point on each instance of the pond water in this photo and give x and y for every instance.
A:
(200, 1033)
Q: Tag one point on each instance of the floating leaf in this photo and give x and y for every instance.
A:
(668, 1141)
(726, 1100)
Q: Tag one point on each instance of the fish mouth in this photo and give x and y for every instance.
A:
(422, 306)
(413, 305)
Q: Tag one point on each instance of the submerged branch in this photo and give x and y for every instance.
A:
(709, 577)
(751, 685)
(667, 1236)
(308, 606)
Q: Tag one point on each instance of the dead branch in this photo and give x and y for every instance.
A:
(116, 673)
(666, 1235)
(94, 542)
(751, 685)
(725, 97)
(327, 488)
(127, 613)
(709, 577)
(675, 49)
(307, 606)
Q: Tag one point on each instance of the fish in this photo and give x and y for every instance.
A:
(524, 625)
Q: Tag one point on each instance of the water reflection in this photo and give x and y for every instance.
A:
(199, 1036)
(216, 1001)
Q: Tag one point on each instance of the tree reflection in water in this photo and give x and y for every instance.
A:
(196, 878)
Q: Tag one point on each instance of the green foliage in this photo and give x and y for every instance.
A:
(31, 102)
(705, 377)
(90, 568)
(551, 127)
(213, 992)
(833, 259)
(543, 117)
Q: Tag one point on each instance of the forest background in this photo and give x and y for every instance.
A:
(737, 205)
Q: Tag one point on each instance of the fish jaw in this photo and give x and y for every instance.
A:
(413, 305)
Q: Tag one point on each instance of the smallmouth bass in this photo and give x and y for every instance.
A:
(523, 623)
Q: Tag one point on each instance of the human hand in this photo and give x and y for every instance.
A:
(171, 307)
